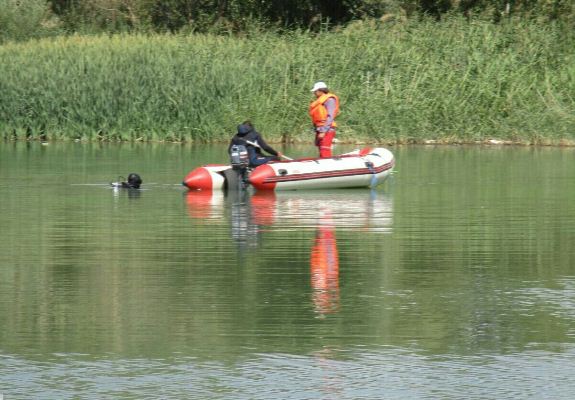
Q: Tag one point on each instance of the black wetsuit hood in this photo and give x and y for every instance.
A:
(244, 130)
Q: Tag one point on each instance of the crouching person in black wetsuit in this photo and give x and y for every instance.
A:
(247, 136)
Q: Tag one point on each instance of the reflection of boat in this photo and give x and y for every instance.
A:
(349, 209)
(361, 168)
(205, 204)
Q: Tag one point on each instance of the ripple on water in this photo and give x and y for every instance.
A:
(390, 373)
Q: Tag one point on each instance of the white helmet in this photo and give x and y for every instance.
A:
(318, 86)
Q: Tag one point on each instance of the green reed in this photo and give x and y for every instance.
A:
(454, 81)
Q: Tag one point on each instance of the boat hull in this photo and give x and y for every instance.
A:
(364, 168)
(361, 168)
(207, 177)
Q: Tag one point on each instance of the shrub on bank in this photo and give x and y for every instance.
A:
(22, 20)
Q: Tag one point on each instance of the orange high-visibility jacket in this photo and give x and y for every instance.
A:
(318, 112)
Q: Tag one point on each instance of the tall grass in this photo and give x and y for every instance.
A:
(398, 82)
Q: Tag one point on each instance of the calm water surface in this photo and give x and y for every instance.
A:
(454, 279)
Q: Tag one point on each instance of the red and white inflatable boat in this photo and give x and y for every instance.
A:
(360, 168)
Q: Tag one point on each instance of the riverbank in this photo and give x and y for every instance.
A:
(403, 82)
(422, 142)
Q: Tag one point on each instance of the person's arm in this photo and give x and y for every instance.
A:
(266, 146)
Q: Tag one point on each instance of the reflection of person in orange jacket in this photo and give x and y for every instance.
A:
(324, 265)
(323, 111)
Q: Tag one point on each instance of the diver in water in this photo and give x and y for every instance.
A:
(134, 181)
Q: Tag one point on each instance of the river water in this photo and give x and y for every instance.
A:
(454, 279)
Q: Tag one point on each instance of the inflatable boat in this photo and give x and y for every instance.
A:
(360, 168)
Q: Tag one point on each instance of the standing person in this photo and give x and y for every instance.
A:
(323, 111)
(247, 136)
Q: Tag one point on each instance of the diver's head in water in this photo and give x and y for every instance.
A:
(134, 181)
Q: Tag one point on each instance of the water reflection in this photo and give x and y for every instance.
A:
(324, 266)
(130, 192)
(244, 229)
(205, 205)
(251, 214)
(357, 210)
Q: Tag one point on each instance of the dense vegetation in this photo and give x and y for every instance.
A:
(33, 18)
(401, 79)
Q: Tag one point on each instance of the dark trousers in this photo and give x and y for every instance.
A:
(257, 161)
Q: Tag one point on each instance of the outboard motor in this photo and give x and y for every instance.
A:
(236, 177)
(239, 156)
